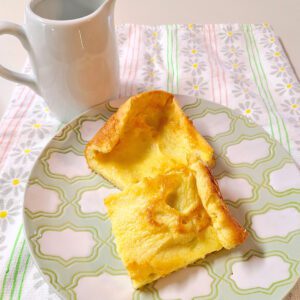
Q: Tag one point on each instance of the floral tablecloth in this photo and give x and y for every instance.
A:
(243, 67)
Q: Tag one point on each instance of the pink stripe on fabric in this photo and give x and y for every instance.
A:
(130, 67)
(14, 122)
(3, 133)
(126, 61)
(210, 65)
(137, 60)
(18, 122)
(213, 27)
(216, 63)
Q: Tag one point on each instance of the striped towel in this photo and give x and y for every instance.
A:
(243, 67)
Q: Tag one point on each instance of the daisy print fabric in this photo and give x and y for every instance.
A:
(243, 67)
(240, 66)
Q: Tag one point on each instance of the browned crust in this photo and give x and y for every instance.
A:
(111, 133)
(197, 139)
(229, 231)
(105, 137)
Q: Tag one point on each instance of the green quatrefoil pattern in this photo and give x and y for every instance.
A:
(70, 236)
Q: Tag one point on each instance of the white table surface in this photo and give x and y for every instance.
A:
(283, 15)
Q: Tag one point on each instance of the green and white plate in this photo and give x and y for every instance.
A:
(70, 236)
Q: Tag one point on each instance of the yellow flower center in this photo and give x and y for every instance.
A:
(15, 181)
(3, 214)
(46, 109)
(152, 59)
(294, 105)
(246, 91)
(194, 51)
(190, 26)
(37, 125)
(266, 25)
(277, 54)
(229, 33)
(152, 74)
(248, 111)
(232, 50)
(27, 151)
(281, 69)
(155, 34)
(196, 87)
(271, 40)
(155, 45)
(289, 86)
(235, 66)
(195, 66)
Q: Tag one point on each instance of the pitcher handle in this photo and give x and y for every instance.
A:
(19, 32)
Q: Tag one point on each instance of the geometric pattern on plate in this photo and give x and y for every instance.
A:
(213, 124)
(285, 178)
(275, 222)
(68, 164)
(42, 200)
(270, 223)
(66, 244)
(249, 151)
(89, 128)
(184, 284)
(237, 190)
(93, 201)
(91, 287)
(259, 272)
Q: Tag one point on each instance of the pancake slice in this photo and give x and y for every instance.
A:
(170, 212)
(147, 136)
(160, 225)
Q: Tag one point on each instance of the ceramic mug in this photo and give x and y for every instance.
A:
(73, 53)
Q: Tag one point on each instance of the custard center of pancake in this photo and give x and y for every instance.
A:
(152, 141)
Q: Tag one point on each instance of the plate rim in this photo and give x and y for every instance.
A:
(64, 125)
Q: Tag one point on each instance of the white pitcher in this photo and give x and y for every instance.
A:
(72, 49)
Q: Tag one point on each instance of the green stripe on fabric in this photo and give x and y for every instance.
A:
(256, 64)
(265, 98)
(255, 79)
(23, 277)
(177, 59)
(268, 88)
(171, 55)
(168, 63)
(12, 291)
(264, 89)
(9, 262)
